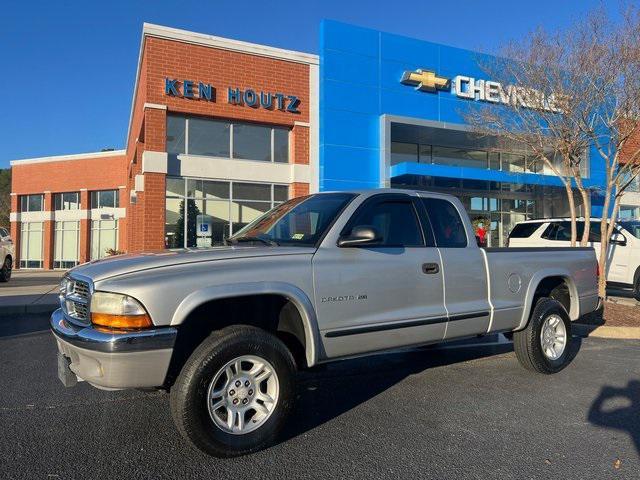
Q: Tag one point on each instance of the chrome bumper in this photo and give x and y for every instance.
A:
(101, 341)
(112, 360)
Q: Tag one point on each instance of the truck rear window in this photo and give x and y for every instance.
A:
(524, 230)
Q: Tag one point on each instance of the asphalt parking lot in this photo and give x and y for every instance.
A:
(454, 412)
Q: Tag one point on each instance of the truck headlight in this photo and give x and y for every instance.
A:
(114, 310)
(64, 286)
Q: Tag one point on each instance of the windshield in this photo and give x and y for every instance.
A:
(633, 227)
(299, 222)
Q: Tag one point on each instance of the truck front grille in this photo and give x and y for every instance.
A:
(81, 289)
(74, 297)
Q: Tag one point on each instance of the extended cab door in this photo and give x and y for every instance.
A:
(384, 295)
(463, 267)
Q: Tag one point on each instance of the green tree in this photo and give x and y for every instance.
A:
(192, 216)
(5, 198)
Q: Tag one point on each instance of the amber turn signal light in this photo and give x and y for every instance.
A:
(122, 322)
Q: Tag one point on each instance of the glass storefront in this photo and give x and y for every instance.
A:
(104, 237)
(202, 213)
(466, 157)
(66, 244)
(452, 147)
(31, 244)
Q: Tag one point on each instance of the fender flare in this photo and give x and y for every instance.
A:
(294, 294)
(535, 281)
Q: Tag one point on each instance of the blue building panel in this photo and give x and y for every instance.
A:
(350, 67)
(360, 82)
(359, 130)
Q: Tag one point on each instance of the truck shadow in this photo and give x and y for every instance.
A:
(328, 391)
(618, 409)
(21, 324)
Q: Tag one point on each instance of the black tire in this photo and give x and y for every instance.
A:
(528, 344)
(5, 271)
(636, 288)
(189, 394)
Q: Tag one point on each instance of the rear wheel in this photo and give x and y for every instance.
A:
(544, 345)
(636, 289)
(235, 392)
(5, 271)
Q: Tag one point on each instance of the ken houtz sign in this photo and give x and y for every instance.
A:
(235, 96)
(481, 90)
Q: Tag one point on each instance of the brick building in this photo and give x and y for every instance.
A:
(219, 132)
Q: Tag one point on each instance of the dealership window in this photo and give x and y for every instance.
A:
(66, 201)
(214, 209)
(628, 212)
(459, 157)
(209, 137)
(31, 245)
(226, 139)
(104, 199)
(104, 236)
(31, 203)
(474, 158)
(403, 152)
(66, 244)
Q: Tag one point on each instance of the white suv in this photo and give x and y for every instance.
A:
(624, 265)
(6, 255)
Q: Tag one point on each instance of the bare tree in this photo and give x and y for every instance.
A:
(563, 93)
(611, 65)
(536, 85)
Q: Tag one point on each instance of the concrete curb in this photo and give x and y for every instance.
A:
(604, 331)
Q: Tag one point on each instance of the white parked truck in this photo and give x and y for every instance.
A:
(623, 269)
(318, 278)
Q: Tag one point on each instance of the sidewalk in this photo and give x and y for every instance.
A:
(620, 318)
(30, 292)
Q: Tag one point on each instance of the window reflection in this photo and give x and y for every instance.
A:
(203, 213)
(226, 139)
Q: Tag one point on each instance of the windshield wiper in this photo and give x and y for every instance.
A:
(257, 238)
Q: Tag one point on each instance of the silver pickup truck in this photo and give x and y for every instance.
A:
(316, 279)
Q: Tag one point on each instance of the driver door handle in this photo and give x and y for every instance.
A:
(430, 268)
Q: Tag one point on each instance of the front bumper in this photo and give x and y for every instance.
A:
(137, 359)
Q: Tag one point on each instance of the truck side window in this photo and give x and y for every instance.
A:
(446, 222)
(396, 221)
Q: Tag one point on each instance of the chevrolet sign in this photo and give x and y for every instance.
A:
(481, 90)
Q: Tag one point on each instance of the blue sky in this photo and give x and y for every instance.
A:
(67, 68)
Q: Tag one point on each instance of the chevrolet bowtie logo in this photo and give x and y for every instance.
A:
(425, 80)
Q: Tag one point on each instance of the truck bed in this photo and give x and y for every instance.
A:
(511, 273)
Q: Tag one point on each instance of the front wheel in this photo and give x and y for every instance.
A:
(636, 289)
(543, 346)
(235, 392)
(5, 271)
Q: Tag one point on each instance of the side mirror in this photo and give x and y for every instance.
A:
(362, 235)
(618, 239)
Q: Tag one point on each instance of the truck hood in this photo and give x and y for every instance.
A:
(124, 264)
